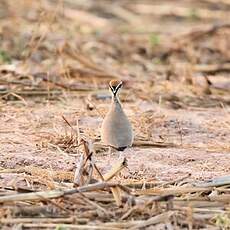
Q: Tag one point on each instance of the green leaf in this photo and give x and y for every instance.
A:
(4, 57)
(154, 39)
(61, 227)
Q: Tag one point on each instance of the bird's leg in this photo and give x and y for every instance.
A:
(110, 153)
(121, 154)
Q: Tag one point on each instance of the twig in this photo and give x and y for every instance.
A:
(56, 175)
(153, 144)
(201, 32)
(68, 226)
(55, 193)
(39, 220)
(117, 195)
(89, 154)
(99, 173)
(129, 212)
(154, 220)
(88, 62)
(171, 191)
(116, 169)
(78, 175)
(32, 92)
(180, 11)
(106, 212)
(176, 180)
(139, 185)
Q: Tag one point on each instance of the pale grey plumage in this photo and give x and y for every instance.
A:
(116, 129)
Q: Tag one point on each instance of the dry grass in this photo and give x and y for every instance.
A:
(56, 58)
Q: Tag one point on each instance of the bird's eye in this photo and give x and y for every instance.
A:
(112, 88)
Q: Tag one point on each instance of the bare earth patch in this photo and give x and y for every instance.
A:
(201, 138)
(56, 59)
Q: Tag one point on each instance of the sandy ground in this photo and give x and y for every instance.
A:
(56, 59)
(29, 137)
(142, 50)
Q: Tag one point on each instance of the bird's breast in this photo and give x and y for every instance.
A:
(116, 129)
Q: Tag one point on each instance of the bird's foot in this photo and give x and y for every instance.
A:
(121, 155)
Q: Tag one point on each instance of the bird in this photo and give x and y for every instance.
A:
(116, 129)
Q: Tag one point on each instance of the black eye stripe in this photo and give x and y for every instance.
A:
(118, 87)
(111, 87)
(114, 90)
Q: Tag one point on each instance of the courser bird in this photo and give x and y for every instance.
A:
(116, 130)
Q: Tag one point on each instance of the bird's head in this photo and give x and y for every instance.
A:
(115, 85)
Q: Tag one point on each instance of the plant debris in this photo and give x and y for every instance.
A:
(56, 59)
